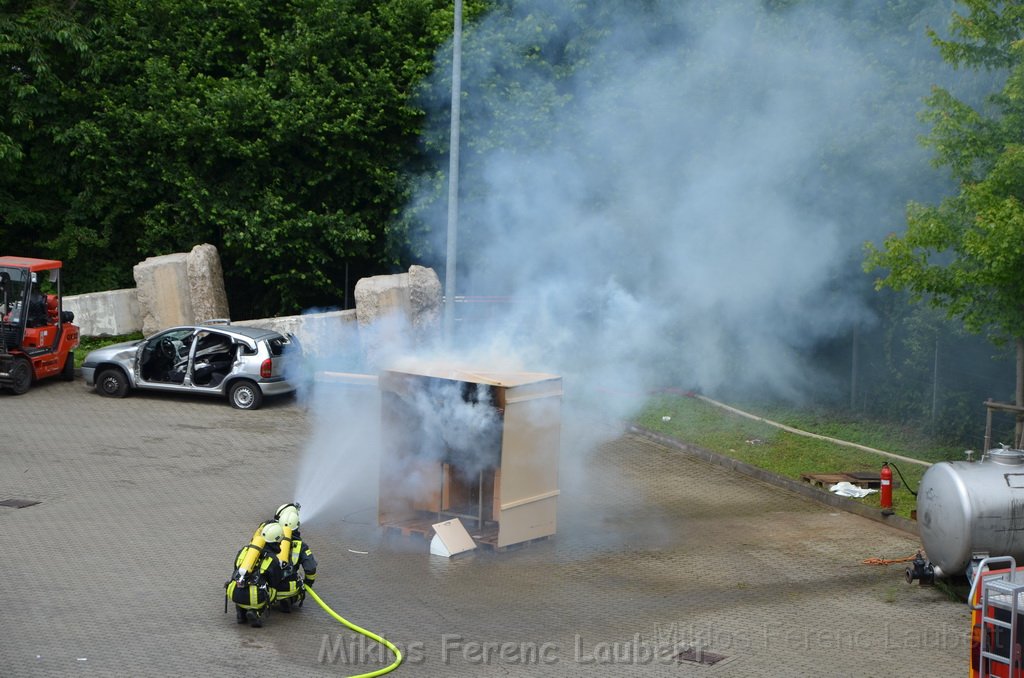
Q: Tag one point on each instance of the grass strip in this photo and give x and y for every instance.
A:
(791, 455)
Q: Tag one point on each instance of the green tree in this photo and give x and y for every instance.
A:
(44, 44)
(965, 254)
(276, 132)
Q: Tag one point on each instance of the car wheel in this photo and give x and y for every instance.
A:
(245, 395)
(111, 383)
(21, 375)
(68, 373)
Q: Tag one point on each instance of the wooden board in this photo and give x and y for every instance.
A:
(865, 479)
(490, 542)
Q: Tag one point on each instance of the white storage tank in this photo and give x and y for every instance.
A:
(970, 510)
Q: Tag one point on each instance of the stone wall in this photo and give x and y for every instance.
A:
(188, 288)
(324, 336)
(106, 314)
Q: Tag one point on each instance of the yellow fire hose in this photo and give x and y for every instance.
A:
(369, 634)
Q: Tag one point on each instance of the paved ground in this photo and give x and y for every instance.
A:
(119, 570)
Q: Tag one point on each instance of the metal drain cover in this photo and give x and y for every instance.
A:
(18, 503)
(699, 657)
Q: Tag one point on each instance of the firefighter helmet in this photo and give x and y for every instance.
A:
(288, 515)
(272, 533)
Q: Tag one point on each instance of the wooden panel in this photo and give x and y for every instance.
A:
(529, 464)
(529, 455)
(528, 521)
(429, 496)
(496, 495)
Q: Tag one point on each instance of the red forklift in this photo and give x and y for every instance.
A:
(37, 337)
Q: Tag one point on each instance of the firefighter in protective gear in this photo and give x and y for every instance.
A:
(294, 553)
(253, 591)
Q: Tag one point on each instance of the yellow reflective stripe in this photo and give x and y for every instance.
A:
(253, 596)
(242, 553)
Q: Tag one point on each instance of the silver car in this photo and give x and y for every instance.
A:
(243, 363)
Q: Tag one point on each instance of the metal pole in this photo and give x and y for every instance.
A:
(453, 178)
(480, 501)
(988, 429)
(854, 367)
(1019, 390)
(440, 497)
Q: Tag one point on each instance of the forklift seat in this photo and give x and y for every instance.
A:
(37, 316)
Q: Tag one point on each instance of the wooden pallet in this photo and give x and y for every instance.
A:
(415, 527)
(423, 526)
(864, 479)
(491, 543)
(824, 480)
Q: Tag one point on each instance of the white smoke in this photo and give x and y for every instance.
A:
(677, 221)
(688, 210)
(338, 469)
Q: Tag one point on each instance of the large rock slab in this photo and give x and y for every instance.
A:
(397, 312)
(415, 296)
(181, 288)
(163, 291)
(206, 283)
(426, 298)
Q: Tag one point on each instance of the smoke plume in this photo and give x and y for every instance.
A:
(674, 193)
(689, 207)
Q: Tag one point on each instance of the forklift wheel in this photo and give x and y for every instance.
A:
(68, 373)
(21, 376)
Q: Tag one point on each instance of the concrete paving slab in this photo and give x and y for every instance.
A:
(143, 503)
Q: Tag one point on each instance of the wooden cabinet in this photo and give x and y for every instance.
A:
(481, 446)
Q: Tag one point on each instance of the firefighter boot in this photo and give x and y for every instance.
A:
(285, 606)
(240, 616)
(255, 618)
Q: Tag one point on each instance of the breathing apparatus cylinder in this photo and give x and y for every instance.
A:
(285, 554)
(288, 516)
(252, 553)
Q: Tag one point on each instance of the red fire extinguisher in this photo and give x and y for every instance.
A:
(886, 486)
